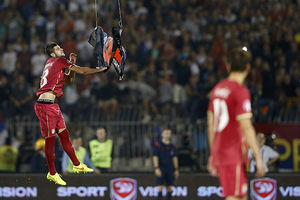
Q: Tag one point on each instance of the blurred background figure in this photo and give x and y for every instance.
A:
(101, 151)
(38, 162)
(81, 153)
(8, 156)
(38, 61)
(21, 95)
(165, 162)
(269, 155)
(9, 60)
(186, 157)
(107, 96)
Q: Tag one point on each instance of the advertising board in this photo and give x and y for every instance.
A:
(140, 187)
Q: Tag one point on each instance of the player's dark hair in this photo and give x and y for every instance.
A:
(50, 48)
(238, 59)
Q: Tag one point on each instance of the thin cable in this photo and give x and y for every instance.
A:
(96, 12)
(120, 15)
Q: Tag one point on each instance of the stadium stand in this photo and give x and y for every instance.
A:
(176, 52)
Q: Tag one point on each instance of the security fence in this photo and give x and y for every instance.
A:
(132, 140)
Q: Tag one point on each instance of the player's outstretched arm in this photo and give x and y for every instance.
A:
(249, 133)
(86, 70)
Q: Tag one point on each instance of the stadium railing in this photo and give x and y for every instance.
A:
(132, 140)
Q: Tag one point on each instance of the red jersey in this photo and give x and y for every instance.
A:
(229, 102)
(53, 77)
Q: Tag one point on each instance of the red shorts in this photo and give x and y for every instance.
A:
(51, 119)
(233, 180)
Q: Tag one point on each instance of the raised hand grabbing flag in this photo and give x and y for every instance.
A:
(108, 50)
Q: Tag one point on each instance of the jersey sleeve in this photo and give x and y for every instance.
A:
(63, 63)
(156, 148)
(243, 104)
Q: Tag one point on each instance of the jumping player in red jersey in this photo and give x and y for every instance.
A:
(57, 71)
(230, 129)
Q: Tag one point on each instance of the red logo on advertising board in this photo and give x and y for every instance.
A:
(123, 189)
(263, 189)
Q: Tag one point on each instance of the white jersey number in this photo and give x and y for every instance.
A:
(44, 78)
(221, 117)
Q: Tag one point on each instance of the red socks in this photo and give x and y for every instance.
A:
(49, 152)
(67, 146)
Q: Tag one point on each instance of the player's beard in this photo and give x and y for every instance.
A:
(60, 55)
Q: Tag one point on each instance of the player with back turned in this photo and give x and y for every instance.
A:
(230, 129)
(57, 71)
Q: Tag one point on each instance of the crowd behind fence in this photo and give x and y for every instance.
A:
(132, 141)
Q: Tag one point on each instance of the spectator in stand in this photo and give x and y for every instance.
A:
(165, 100)
(71, 96)
(21, 96)
(4, 93)
(39, 21)
(38, 61)
(24, 63)
(85, 50)
(51, 26)
(15, 25)
(65, 25)
(193, 97)
(69, 44)
(9, 60)
(107, 95)
(182, 75)
(35, 43)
